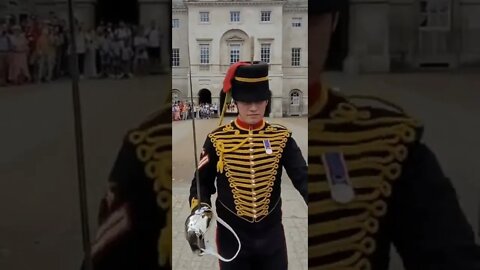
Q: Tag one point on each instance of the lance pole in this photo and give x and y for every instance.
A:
(79, 142)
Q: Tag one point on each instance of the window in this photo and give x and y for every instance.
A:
(296, 22)
(435, 14)
(295, 98)
(175, 23)
(204, 54)
(265, 16)
(234, 53)
(175, 57)
(295, 57)
(265, 52)
(234, 16)
(204, 17)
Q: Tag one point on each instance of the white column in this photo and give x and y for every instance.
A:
(469, 32)
(369, 37)
(160, 12)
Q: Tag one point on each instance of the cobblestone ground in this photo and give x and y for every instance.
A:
(294, 209)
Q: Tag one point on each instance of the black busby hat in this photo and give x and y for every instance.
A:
(316, 7)
(248, 81)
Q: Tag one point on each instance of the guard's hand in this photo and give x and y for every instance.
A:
(196, 226)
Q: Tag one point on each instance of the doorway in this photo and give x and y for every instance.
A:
(204, 96)
(115, 11)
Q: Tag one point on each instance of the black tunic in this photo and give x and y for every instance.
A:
(401, 194)
(135, 215)
(248, 180)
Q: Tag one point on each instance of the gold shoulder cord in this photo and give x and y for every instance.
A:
(158, 164)
(383, 143)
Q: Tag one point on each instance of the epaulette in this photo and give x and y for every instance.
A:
(221, 128)
(385, 108)
(279, 127)
(387, 104)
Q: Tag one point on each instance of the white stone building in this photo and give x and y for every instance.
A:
(217, 33)
(393, 35)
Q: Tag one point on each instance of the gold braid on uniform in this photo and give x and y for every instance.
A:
(154, 149)
(342, 236)
(250, 171)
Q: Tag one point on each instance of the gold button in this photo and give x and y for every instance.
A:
(253, 184)
(254, 216)
(250, 139)
(254, 211)
(253, 171)
(251, 157)
(254, 205)
(254, 198)
(252, 176)
(251, 150)
(254, 193)
(251, 162)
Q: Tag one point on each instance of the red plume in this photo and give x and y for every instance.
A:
(227, 82)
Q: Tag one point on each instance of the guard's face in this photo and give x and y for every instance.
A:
(251, 112)
(320, 30)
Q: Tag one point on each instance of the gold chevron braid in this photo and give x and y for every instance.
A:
(243, 136)
(406, 133)
(389, 140)
(341, 265)
(362, 264)
(251, 183)
(360, 221)
(158, 165)
(357, 182)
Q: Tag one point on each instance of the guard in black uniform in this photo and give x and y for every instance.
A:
(135, 229)
(373, 182)
(246, 157)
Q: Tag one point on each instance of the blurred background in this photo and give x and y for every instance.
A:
(123, 49)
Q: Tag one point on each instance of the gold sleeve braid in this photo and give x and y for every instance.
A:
(153, 148)
(250, 171)
(376, 145)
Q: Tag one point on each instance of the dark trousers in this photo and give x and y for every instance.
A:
(260, 251)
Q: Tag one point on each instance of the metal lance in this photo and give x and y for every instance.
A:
(79, 143)
(197, 177)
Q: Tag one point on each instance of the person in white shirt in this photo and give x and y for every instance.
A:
(153, 37)
(141, 54)
(81, 46)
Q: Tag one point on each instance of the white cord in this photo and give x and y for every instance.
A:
(210, 250)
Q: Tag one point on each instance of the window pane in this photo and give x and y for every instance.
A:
(175, 23)
(265, 53)
(265, 16)
(204, 54)
(235, 16)
(295, 57)
(296, 22)
(234, 53)
(204, 17)
(175, 57)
